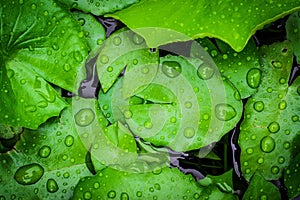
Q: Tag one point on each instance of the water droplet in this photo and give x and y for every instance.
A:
(260, 160)
(253, 77)
(237, 96)
(87, 195)
(127, 114)
(205, 71)
(282, 105)
(52, 186)
(117, 40)
(171, 68)
(295, 118)
(189, 132)
(157, 186)
(124, 196)
(33, 6)
(145, 70)
(286, 145)
(104, 59)
(282, 80)
(31, 108)
(148, 124)
(259, 106)
(78, 57)
(67, 67)
(137, 39)
(66, 175)
(281, 160)
(84, 117)
(157, 170)
(276, 64)
(225, 56)
(21, 2)
(139, 194)
(135, 61)
(188, 104)
(29, 174)
(225, 112)
(214, 53)
(96, 185)
(10, 73)
(275, 170)
(249, 151)
(69, 140)
(111, 194)
(23, 81)
(44, 151)
(269, 90)
(273, 127)
(173, 119)
(267, 144)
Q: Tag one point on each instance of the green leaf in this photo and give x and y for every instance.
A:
(291, 177)
(98, 7)
(233, 22)
(187, 122)
(259, 188)
(242, 69)
(223, 182)
(46, 163)
(40, 43)
(159, 184)
(8, 132)
(122, 49)
(93, 30)
(293, 33)
(271, 118)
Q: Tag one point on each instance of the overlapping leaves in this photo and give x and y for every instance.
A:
(40, 43)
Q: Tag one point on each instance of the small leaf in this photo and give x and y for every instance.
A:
(271, 118)
(259, 188)
(98, 7)
(293, 33)
(159, 184)
(242, 69)
(232, 22)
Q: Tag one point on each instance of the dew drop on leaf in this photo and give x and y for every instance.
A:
(124, 196)
(157, 186)
(84, 117)
(157, 170)
(171, 68)
(282, 105)
(69, 140)
(260, 160)
(249, 151)
(44, 151)
(10, 73)
(189, 132)
(87, 195)
(275, 170)
(276, 64)
(104, 59)
(267, 144)
(111, 194)
(286, 145)
(139, 194)
(67, 67)
(205, 71)
(188, 104)
(137, 39)
(51, 185)
(281, 160)
(33, 6)
(253, 77)
(29, 174)
(259, 106)
(127, 114)
(273, 127)
(78, 57)
(117, 40)
(224, 112)
(30, 108)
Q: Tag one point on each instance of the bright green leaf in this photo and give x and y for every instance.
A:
(233, 22)
(46, 163)
(293, 33)
(178, 124)
(159, 184)
(98, 7)
(124, 48)
(237, 67)
(40, 42)
(271, 118)
(259, 188)
(93, 30)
